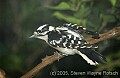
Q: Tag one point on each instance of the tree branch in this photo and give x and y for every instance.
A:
(110, 34)
(50, 59)
(2, 73)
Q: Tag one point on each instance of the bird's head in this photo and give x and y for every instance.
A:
(42, 31)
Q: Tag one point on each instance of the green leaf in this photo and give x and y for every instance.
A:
(62, 6)
(113, 2)
(108, 18)
(11, 62)
(118, 38)
(83, 12)
(67, 18)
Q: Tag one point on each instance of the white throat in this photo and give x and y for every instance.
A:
(44, 38)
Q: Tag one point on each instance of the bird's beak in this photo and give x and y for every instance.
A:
(34, 35)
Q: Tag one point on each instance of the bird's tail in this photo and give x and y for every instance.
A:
(91, 56)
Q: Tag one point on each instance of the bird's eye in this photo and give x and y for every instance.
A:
(38, 31)
(44, 29)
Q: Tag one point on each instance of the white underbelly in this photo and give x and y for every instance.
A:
(67, 51)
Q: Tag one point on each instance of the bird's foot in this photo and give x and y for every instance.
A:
(59, 55)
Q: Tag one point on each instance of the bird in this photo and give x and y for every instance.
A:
(67, 39)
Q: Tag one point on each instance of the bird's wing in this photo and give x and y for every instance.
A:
(75, 27)
(64, 39)
(80, 29)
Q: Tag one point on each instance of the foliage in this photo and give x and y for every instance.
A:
(87, 12)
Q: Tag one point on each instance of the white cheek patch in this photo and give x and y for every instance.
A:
(44, 33)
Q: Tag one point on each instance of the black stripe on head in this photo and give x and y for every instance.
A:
(46, 28)
(43, 28)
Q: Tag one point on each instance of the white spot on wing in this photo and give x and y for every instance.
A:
(53, 42)
(65, 29)
(85, 43)
(89, 46)
(69, 36)
(84, 28)
(68, 24)
(83, 47)
(64, 44)
(94, 46)
(57, 41)
(80, 38)
(80, 26)
(70, 45)
(73, 33)
(62, 28)
(79, 42)
(76, 46)
(72, 41)
(72, 25)
(60, 39)
(74, 38)
(64, 36)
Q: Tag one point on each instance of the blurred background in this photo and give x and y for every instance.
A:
(19, 19)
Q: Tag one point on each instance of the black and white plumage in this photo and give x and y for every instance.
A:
(68, 40)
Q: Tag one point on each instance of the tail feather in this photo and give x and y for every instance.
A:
(91, 56)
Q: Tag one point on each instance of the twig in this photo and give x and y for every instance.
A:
(2, 73)
(46, 61)
(109, 65)
(110, 34)
(50, 59)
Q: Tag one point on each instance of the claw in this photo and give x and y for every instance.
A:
(59, 55)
